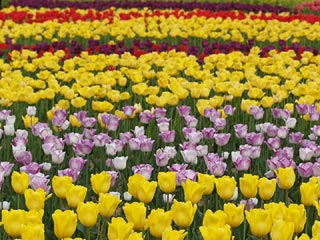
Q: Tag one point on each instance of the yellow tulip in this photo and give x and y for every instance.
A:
(169, 234)
(75, 195)
(303, 236)
(296, 213)
(167, 181)
(309, 193)
(29, 121)
(259, 221)
(88, 213)
(74, 122)
(266, 187)
(100, 182)
(277, 210)
(286, 177)
(146, 191)
(136, 213)
(34, 216)
(20, 182)
(219, 217)
(13, 221)
(35, 199)
(158, 221)
(183, 213)
(316, 229)
(207, 181)
(135, 236)
(193, 191)
(32, 231)
(267, 102)
(108, 204)
(65, 223)
(249, 185)
(78, 102)
(235, 214)
(134, 183)
(282, 230)
(119, 229)
(216, 232)
(61, 185)
(225, 187)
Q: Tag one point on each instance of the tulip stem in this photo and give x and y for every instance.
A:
(167, 203)
(244, 229)
(286, 196)
(88, 233)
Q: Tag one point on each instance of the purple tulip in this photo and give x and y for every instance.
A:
(302, 109)
(134, 144)
(245, 150)
(314, 115)
(4, 114)
(88, 122)
(57, 156)
(114, 176)
(144, 170)
(31, 168)
(72, 138)
(241, 163)
(125, 136)
(220, 123)
(190, 121)
(145, 117)
(77, 163)
(171, 151)
(240, 130)
(272, 130)
(316, 168)
(159, 112)
(291, 123)
(39, 180)
(101, 139)
(31, 110)
(282, 132)
(295, 137)
(184, 110)
(73, 173)
(6, 168)
(162, 158)
(208, 133)
(167, 136)
(254, 138)
(188, 146)
(119, 163)
(83, 148)
(202, 150)
(256, 112)
(305, 154)
(216, 168)
(305, 169)
(249, 204)
(19, 141)
(138, 131)
(112, 121)
(189, 156)
(81, 115)
(163, 126)
(176, 167)
(273, 143)
(211, 113)
(21, 133)
(60, 115)
(111, 149)
(195, 137)
(229, 110)
(128, 110)
(24, 157)
(146, 144)
(183, 175)
(222, 139)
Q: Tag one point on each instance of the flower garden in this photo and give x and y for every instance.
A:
(159, 120)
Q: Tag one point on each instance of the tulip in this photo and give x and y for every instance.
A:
(266, 188)
(136, 213)
(259, 221)
(219, 217)
(216, 232)
(100, 182)
(286, 177)
(34, 216)
(35, 199)
(75, 195)
(88, 213)
(297, 214)
(207, 181)
(119, 229)
(193, 191)
(13, 221)
(225, 187)
(108, 204)
(249, 185)
(32, 231)
(303, 236)
(235, 214)
(135, 236)
(276, 210)
(65, 223)
(309, 193)
(29, 121)
(183, 213)
(61, 185)
(20, 182)
(167, 181)
(282, 230)
(170, 234)
(146, 191)
(158, 221)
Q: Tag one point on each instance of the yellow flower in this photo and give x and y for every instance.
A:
(266, 187)
(136, 213)
(225, 187)
(135, 236)
(207, 181)
(216, 232)
(29, 121)
(296, 213)
(78, 102)
(267, 102)
(134, 182)
(170, 234)
(88, 213)
(63, 104)
(286, 177)
(303, 236)
(235, 214)
(282, 230)
(20, 182)
(249, 185)
(219, 217)
(13, 221)
(119, 229)
(309, 193)
(146, 191)
(75, 195)
(193, 191)
(316, 229)
(61, 185)
(35, 199)
(259, 221)
(32, 231)
(183, 213)
(167, 181)
(277, 210)
(65, 223)
(108, 204)
(100, 182)
(34, 216)
(158, 221)
(74, 122)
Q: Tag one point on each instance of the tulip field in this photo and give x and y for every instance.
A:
(160, 120)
